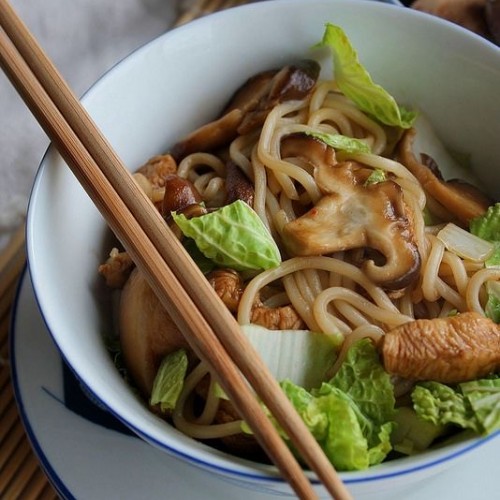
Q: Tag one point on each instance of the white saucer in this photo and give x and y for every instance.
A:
(87, 454)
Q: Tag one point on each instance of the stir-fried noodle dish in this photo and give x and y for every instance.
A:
(367, 281)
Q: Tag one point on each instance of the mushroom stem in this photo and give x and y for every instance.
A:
(459, 198)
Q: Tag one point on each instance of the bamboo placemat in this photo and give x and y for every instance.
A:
(20, 474)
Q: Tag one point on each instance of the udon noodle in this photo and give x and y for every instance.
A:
(333, 227)
(330, 292)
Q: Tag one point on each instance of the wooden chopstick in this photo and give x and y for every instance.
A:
(151, 244)
(160, 277)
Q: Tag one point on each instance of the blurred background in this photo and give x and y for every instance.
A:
(84, 38)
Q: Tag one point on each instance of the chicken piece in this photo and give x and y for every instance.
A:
(117, 268)
(277, 318)
(229, 286)
(157, 168)
(448, 350)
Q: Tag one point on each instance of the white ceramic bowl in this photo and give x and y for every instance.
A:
(181, 80)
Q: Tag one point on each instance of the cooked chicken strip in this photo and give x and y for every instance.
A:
(449, 350)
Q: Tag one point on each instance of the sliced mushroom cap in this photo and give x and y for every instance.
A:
(179, 194)
(238, 185)
(293, 82)
(459, 198)
(312, 151)
(248, 96)
(449, 350)
(147, 333)
(208, 137)
(354, 215)
(250, 105)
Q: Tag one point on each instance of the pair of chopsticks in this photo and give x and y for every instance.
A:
(182, 289)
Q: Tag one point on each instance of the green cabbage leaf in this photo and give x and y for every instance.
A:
(492, 307)
(301, 356)
(487, 227)
(377, 176)
(232, 236)
(471, 405)
(351, 416)
(169, 380)
(341, 142)
(356, 83)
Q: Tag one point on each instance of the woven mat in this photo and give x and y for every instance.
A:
(20, 474)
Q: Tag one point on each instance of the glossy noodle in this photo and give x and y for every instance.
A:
(356, 234)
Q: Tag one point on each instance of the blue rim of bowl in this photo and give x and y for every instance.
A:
(259, 475)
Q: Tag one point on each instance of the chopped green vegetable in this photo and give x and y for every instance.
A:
(487, 227)
(341, 142)
(169, 380)
(412, 433)
(441, 405)
(345, 445)
(484, 398)
(307, 407)
(356, 83)
(471, 405)
(233, 236)
(301, 356)
(350, 416)
(492, 307)
(377, 176)
(114, 348)
(494, 259)
(205, 265)
(364, 379)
